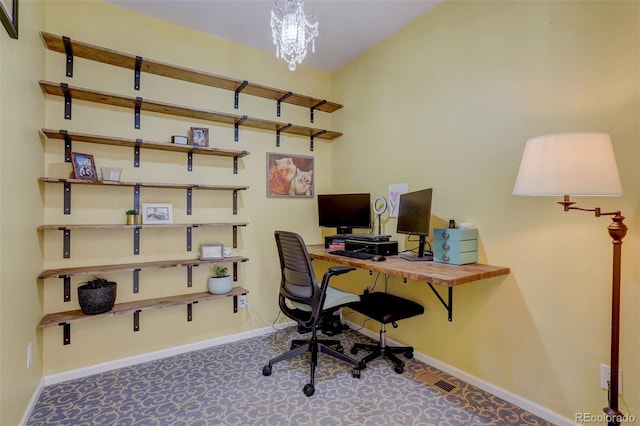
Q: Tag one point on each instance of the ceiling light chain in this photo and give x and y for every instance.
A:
(292, 32)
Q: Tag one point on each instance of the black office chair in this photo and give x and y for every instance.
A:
(385, 308)
(306, 302)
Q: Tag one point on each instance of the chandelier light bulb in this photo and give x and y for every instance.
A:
(292, 32)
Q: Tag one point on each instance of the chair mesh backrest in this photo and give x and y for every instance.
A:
(298, 282)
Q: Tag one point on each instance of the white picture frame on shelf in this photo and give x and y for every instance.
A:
(157, 213)
(211, 251)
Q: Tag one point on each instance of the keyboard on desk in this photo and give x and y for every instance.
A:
(354, 254)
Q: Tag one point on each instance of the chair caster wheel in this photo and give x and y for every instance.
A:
(356, 373)
(340, 349)
(354, 350)
(408, 354)
(266, 371)
(398, 369)
(308, 389)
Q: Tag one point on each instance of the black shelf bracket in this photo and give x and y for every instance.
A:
(285, 127)
(136, 320)
(136, 280)
(190, 198)
(136, 116)
(67, 196)
(235, 164)
(282, 98)
(136, 73)
(313, 108)
(190, 157)
(68, 50)
(136, 153)
(236, 126)
(189, 232)
(190, 275)
(190, 310)
(447, 305)
(235, 236)
(136, 197)
(66, 242)
(67, 287)
(321, 132)
(67, 100)
(235, 303)
(235, 201)
(136, 240)
(235, 271)
(66, 333)
(236, 97)
(67, 146)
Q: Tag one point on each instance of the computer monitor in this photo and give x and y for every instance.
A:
(344, 211)
(414, 218)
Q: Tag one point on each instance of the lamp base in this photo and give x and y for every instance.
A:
(614, 417)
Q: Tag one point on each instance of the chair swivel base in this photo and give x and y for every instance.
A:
(314, 345)
(388, 352)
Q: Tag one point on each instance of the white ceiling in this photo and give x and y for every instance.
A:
(346, 27)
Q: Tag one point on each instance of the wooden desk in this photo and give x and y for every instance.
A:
(430, 272)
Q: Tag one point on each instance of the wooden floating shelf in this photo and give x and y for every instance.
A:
(139, 104)
(61, 318)
(144, 184)
(124, 226)
(100, 54)
(127, 267)
(163, 146)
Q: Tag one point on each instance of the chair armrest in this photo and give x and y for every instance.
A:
(339, 270)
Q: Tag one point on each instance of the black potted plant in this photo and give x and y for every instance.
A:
(97, 296)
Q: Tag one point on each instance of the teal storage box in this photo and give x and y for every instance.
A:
(455, 246)
(455, 234)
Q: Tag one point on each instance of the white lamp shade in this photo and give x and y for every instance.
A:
(568, 164)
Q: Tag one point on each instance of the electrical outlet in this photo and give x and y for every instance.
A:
(242, 301)
(29, 354)
(604, 378)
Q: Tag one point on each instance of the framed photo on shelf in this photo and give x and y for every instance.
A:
(200, 136)
(157, 213)
(83, 166)
(211, 251)
(9, 16)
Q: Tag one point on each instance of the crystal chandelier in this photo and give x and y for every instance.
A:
(292, 32)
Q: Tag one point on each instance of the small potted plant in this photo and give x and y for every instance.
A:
(133, 217)
(97, 296)
(220, 282)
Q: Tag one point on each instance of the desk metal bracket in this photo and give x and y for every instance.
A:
(448, 305)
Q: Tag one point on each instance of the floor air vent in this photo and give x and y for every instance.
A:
(435, 381)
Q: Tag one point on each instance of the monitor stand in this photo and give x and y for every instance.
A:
(422, 255)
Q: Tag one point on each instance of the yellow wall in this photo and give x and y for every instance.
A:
(448, 102)
(21, 161)
(445, 103)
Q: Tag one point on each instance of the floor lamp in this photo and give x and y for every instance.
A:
(567, 164)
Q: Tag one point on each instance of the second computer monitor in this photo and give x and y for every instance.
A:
(414, 218)
(344, 211)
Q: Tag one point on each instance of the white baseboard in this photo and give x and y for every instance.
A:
(151, 356)
(532, 407)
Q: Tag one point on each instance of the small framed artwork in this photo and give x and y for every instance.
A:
(157, 213)
(83, 166)
(211, 251)
(200, 136)
(9, 16)
(289, 175)
(179, 140)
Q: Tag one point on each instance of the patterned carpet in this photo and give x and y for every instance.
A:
(224, 385)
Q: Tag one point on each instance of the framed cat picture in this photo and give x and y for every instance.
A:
(289, 175)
